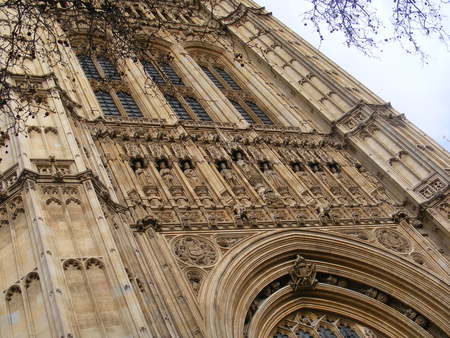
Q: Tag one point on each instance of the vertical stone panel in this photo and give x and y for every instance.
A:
(8, 269)
(39, 315)
(104, 298)
(60, 229)
(23, 242)
(16, 312)
(81, 300)
(81, 223)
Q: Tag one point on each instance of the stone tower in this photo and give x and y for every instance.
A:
(227, 187)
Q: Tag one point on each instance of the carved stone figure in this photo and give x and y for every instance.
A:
(272, 176)
(228, 174)
(191, 174)
(302, 274)
(166, 173)
(193, 250)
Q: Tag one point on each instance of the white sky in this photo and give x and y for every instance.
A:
(420, 91)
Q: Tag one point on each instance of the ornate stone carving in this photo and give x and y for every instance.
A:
(393, 240)
(194, 250)
(302, 274)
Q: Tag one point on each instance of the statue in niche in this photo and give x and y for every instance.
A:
(304, 176)
(302, 274)
(334, 168)
(138, 166)
(166, 173)
(228, 174)
(272, 176)
(190, 173)
(315, 166)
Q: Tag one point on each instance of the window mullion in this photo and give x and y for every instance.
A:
(219, 78)
(250, 112)
(187, 107)
(99, 68)
(117, 102)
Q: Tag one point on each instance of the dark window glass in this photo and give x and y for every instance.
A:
(108, 68)
(348, 332)
(129, 105)
(197, 109)
(227, 78)
(242, 111)
(326, 333)
(280, 335)
(303, 334)
(177, 107)
(153, 72)
(258, 112)
(212, 77)
(170, 73)
(107, 104)
(88, 67)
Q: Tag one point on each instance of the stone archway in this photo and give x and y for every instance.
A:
(255, 263)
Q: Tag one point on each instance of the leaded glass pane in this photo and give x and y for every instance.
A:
(227, 78)
(107, 104)
(177, 107)
(108, 68)
(348, 332)
(88, 67)
(212, 77)
(197, 109)
(129, 105)
(326, 333)
(303, 334)
(280, 335)
(258, 112)
(170, 73)
(242, 111)
(151, 71)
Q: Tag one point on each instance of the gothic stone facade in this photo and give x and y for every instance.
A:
(204, 195)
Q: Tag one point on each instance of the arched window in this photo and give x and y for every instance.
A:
(242, 111)
(227, 78)
(107, 104)
(311, 323)
(186, 107)
(88, 67)
(197, 108)
(177, 107)
(248, 109)
(151, 71)
(108, 68)
(101, 69)
(129, 105)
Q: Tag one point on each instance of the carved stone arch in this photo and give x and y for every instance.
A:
(94, 262)
(14, 289)
(204, 52)
(203, 47)
(337, 301)
(53, 200)
(73, 200)
(31, 277)
(254, 263)
(162, 46)
(72, 264)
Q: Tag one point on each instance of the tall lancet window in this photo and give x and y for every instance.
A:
(110, 88)
(242, 101)
(186, 107)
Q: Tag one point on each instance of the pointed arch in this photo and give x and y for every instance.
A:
(258, 261)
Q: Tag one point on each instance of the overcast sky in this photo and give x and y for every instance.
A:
(420, 91)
